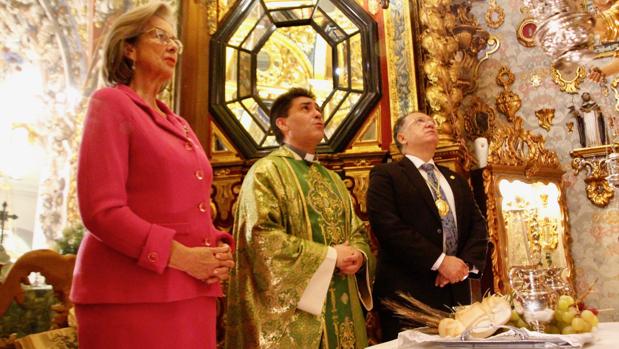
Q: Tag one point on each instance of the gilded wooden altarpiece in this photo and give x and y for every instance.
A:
(526, 207)
(406, 40)
(229, 163)
(409, 40)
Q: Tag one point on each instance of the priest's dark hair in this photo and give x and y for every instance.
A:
(281, 106)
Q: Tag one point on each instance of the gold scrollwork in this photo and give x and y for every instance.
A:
(454, 42)
(513, 145)
(613, 86)
(516, 146)
(599, 192)
(545, 116)
(507, 102)
(493, 231)
(569, 86)
(226, 189)
(505, 77)
(495, 15)
(358, 183)
(211, 15)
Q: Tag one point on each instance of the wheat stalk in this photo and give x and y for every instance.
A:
(408, 313)
(423, 307)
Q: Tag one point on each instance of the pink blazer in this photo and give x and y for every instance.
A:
(142, 182)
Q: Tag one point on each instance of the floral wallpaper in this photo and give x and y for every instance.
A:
(594, 231)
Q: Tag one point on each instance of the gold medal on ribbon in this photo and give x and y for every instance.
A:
(442, 206)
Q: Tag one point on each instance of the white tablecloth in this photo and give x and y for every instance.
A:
(606, 337)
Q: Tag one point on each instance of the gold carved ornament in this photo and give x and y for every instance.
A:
(545, 116)
(599, 192)
(215, 11)
(440, 47)
(358, 182)
(516, 146)
(453, 42)
(507, 102)
(513, 150)
(613, 86)
(568, 86)
(495, 15)
(513, 145)
(226, 188)
(493, 230)
(454, 45)
(525, 33)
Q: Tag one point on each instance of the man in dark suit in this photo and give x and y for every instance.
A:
(431, 234)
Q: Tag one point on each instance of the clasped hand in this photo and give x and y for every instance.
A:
(349, 259)
(209, 264)
(451, 270)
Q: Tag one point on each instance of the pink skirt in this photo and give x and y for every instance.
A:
(183, 324)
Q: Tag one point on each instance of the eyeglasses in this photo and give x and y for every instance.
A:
(164, 38)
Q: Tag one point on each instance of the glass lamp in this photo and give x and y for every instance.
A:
(565, 30)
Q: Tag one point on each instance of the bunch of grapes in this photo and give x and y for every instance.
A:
(569, 318)
(572, 318)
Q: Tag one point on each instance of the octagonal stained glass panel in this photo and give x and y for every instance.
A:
(264, 48)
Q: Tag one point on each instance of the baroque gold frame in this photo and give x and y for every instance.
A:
(497, 232)
(517, 153)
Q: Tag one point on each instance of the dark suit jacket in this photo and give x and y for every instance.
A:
(407, 225)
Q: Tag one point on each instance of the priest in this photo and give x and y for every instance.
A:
(304, 266)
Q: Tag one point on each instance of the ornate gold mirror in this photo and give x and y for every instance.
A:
(263, 48)
(533, 223)
(526, 206)
(527, 218)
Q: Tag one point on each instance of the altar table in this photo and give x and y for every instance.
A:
(606, 337)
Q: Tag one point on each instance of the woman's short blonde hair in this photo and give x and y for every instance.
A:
(116, 67)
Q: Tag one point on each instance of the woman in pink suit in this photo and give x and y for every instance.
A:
(149, 269)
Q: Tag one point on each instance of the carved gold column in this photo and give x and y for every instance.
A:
(452, 40)
(440, 47)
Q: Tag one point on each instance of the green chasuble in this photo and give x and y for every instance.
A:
(288, 212)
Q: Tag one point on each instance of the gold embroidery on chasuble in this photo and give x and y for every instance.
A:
(347, 334)
(326, 202)
(280, 243)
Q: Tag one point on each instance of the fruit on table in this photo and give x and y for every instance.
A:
(569, 317)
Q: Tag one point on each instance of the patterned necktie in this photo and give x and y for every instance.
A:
(449, 225)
